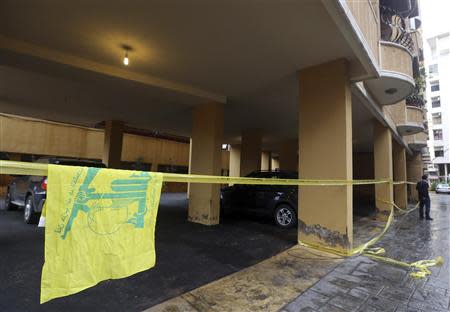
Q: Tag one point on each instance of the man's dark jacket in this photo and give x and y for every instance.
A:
(422, 189)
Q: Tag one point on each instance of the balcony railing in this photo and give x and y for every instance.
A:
(393, 28)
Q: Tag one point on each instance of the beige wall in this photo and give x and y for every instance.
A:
(367, 15)
(25, 136)
(396, 59)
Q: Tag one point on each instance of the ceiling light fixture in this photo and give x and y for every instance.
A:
(127, 49)
(391, 91)
(125, 59)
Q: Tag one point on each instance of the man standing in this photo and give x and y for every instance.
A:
(422, 188)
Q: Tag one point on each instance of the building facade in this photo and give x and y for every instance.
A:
(438, 105)
(328, 87)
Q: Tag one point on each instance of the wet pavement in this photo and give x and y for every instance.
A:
(188, 256)
(361, 284)
(230, 257)
(301, 279)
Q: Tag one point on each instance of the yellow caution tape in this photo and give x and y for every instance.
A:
(25, 168)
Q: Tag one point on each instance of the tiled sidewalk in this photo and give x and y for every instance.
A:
(360, 284)
(300, 279)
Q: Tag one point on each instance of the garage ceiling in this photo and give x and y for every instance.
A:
(246, 51)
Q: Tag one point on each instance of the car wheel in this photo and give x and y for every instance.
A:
(8, 204)
(29, 214)
(285, 216)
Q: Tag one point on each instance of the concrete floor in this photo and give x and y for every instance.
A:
(188, 256)
(292, 278)
(300, 279)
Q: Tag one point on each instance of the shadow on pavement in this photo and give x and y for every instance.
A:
(188, 255)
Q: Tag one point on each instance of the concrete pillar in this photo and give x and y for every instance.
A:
(250, 151)
(325, 142)
(289, 155)
(445, 172)
(235, 160)
(206, 158)
(265, 161)
(399, 162)
(112, 148)
(275, 164)
(189, 166)
(414, 173)
(382, 155)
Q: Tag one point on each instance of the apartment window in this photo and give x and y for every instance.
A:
(433, 69)
(437, 134)
(435, 86)
(436, 102)
(438, 151)
(437, 118)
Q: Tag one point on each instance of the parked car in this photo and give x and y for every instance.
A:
(30, 192)
(276, 201)
(442, 188)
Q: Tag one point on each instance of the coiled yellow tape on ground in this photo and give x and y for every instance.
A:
(421, 267)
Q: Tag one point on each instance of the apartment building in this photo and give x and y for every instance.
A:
(327, 87)
(438, 105)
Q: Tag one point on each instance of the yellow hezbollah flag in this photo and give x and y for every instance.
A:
(100, 224)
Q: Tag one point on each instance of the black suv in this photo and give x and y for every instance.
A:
(276, 201)
(29, 192)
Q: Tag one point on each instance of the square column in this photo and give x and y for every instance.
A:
(265, 161)
(414, 173)
(112, 148)
(251, 149)
(325, 142)
(400, 190)
(289, 155)
(382, 155)
(235, 160)
(206, 158)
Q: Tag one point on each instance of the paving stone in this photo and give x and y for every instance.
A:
(397, 293)
(382, 304)
(331, 308)
(367, 308)
(330, 290)
(309, 299)
(359, 293)
(346, 302)
(431, 298)
(426, 305)
(404, 308)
